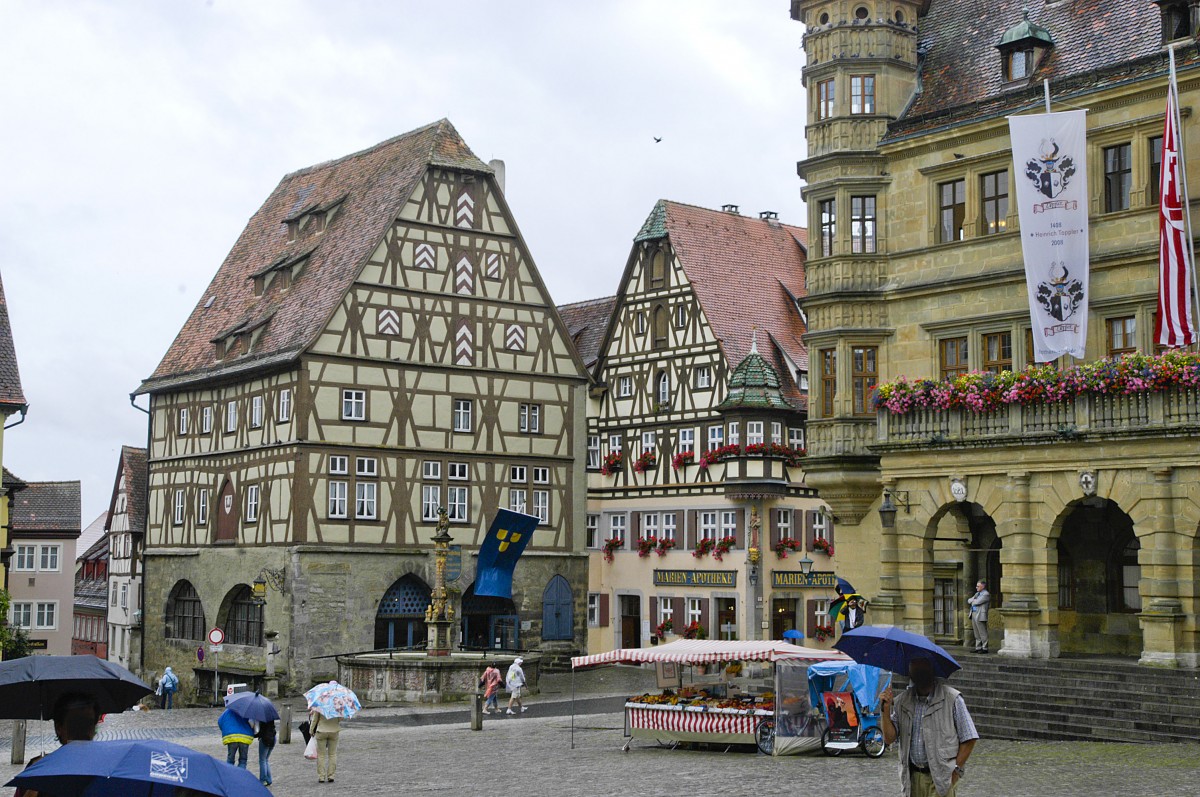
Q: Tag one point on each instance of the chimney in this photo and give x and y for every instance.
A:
(767, 215)
(730, 209)
(498, 167)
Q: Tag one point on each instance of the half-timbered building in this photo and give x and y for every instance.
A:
(125, 530)
(377, 344)
(12, 401)
(90, 621)
(698, 514)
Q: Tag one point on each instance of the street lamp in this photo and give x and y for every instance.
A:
(887, 511)
(806, 565)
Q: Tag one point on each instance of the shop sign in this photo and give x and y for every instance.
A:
(785, 579)
(695, 578)
(39, 644)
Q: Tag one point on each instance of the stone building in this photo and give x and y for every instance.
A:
(377, 344)
(698, 512)
(125, 531)
(1083, 514)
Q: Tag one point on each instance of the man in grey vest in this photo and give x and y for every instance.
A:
(935, 730)
(979, 603)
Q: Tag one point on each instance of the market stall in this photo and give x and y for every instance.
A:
(718, 703)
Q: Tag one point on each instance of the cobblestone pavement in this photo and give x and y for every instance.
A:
(531, 755)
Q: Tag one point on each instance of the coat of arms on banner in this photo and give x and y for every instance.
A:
(1061, 296)
(1051, 171)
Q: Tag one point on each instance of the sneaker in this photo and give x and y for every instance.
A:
(510, 711)
(524, 708)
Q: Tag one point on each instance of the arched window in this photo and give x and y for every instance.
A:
(400, 618)
(243, 618)
(658, 269)
(660, 322)
(558, 610)
(662, 389)
(185, 613)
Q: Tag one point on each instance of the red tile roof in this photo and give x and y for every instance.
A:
(371, 187)
(586, 322)
(961, 76)
(45, 507)
(133, 467)
(742, 270)
(11, 393)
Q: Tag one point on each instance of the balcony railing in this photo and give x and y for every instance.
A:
(1167, 411)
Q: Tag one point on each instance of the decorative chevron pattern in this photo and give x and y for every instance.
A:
(464, 343)
(492, 271)
(464, 212)
(514, 338)
(387, 322)
(426, 257)
(464, 277)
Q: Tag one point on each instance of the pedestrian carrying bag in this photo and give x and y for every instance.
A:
(310, 749)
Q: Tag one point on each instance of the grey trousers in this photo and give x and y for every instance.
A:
(981, 633)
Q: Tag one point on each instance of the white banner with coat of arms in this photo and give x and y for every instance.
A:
(1050, 160)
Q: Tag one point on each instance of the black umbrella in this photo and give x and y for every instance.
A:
(30, 686)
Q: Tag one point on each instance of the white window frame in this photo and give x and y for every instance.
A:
(339, 465)
(21, 614)
(177, 509)
(662, 389)
(541, 475)
(784, 524)
(666, 610)
(796, 436)
(252, 503)
(431, 500)
(202, 508)
(734, 434)
(695, 610)
(366, 495)
(28, 553)
(44, 607)
(283, 408)
(649, 525)
(463, 415)
(754, 433)
(354, 404)
(530, 419)
(206, 414)
(669, 525)
(518, 474)
(431, 469)
(593, 452)
(337, 507)
(728, 523)
(124, 596)
(777, 433)
(541, 506)
(256, 412)
(624, 386)
(687, 440)
(366, 466)
(821, 611)
(49, 558)
(231, 415)
(593, 610)
(458, 471)
(458, 503)
(681, 316)
(183, 420)
(821, 526)
(649, 442)
(703, 377)
(716, 437)
(618, 525)
(614, 443)
(803, 380)
(592, 531)
(518, 499)
(639, 322)
(707, 525)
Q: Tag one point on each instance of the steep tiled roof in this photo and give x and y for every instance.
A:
(755, 384)
(133, 467)
(742, 270)
(10, 377)
(961, 76)
(46, 507)
(369, 188)
(585, 322)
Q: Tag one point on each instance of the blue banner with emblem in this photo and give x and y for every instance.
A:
(502, 547)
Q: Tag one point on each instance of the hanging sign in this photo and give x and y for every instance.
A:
(1050, 168)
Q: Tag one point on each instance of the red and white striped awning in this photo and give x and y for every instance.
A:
(709, 651)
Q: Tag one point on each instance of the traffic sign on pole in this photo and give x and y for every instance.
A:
(216, 636)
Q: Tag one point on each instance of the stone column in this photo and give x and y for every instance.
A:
(888, 606)
(1162, 613)
(1029, 571)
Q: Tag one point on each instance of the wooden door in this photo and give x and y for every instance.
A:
(631, 621)
(227, 513)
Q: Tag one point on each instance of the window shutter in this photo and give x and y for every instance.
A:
(704, 602)
(740, 529)
(653, 611)
(635, 525)
(693, 529)
(604, 610)
(773, 524)
(810, 628)
(679, 614)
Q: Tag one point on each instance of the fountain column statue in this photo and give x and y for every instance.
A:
(439, 617)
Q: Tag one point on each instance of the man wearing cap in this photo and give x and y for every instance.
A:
(515, 681)
(935, 730)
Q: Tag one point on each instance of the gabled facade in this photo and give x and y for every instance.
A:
(45, 526)
(90, 626)
(125, 532)
(377, 345)
(1082, 514)
(696, 430)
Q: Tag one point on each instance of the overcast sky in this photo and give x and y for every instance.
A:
(137, 138)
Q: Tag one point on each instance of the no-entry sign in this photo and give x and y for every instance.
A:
(216, 636)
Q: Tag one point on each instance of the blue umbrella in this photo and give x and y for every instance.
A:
(147, 768)
(252, 706)
(891, 648)
(792, 633)
(844, 587)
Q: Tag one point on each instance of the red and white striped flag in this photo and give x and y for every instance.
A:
(1176, 326)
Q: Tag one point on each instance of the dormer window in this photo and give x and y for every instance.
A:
(1177, 21)
(1019, 64)
(1022, 49)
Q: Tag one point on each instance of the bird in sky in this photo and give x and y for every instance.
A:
(657, 140)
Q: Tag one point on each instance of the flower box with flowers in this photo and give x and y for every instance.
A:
(986, 392)
(723, 546)
(719, 454)
(646, 545)
(823, 632)
(645, 462)
(682, 460)
(704, 547)
(612, 463)
(610, 545)
(664, 628)
(694, 631)
(783, 546)
(823, 545)
(664, 545)
(791, 457)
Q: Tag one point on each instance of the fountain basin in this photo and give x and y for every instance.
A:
(419, 678)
